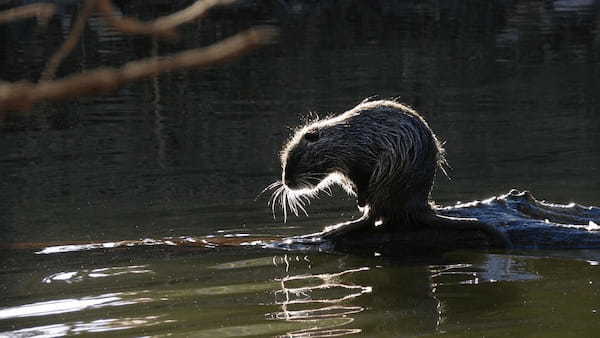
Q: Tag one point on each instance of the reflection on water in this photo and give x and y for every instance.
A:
(107, 245)
(495, 268)
(72, 305)
(317, 299)
(294, 295)
(79, 276)
(95, 326)
(298, 293)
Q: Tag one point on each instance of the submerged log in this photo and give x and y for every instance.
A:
(528, 223)
(410, 243)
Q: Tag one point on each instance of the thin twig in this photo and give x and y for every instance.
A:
(163, 27)
(42, 11)
(71, 42)
(21, 96)
(193, 12)
(129, 25)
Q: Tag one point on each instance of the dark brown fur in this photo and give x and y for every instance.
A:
(381, 151)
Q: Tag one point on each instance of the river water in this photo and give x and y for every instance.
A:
(511, 87)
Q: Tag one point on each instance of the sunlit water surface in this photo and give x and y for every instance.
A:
(104, 199)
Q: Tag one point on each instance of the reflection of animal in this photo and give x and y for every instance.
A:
(381, 151)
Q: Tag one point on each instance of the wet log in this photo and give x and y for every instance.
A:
(527, 222)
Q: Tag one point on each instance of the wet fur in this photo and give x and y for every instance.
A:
(381, 151)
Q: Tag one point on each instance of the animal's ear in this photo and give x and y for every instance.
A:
(312, 135)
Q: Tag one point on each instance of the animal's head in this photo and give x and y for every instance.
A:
(306, 159)
(314, 158)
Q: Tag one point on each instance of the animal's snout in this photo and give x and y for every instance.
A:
(289, 178)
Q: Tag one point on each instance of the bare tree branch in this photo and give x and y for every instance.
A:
(42, 11)
(163, 27)
(71, 42)
(194, 12)
(130, 25)
(22, 95)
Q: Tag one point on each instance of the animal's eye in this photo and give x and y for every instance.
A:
(312, 136)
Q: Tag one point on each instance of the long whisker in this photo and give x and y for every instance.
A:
(292, 202)
(297, 205)
(300, 206)
(296, 200)
(304, 199)
(275, 196)
(277, 199)
(269, 187)
(283, 202)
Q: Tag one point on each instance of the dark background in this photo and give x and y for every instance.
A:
(510, 86)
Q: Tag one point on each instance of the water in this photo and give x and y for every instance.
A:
(511, 87)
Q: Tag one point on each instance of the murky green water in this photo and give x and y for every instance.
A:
(511, 86)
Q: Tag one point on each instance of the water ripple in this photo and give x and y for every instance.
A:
(95, 326)
(78, 276)
(73, 304)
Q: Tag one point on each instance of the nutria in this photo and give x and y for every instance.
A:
(382, 152)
